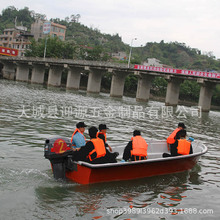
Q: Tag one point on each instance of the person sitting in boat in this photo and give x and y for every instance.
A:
(181, 146)
(136, 149)
(102, 134)
(95, 151)
(172, 138)
(78, 139)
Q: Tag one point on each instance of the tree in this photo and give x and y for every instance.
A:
(9, 13)
(75, 18)
(97, 53)
(67, 19)
(216, 95)
(55, 49)
(189, 90)
(131, 84)
(159, 86)
(183, 59)
(37, 16)
(24, 16)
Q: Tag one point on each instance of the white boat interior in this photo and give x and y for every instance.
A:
(155, 151)
(156, 148)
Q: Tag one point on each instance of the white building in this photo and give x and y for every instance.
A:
(120, 55)
(153, 62)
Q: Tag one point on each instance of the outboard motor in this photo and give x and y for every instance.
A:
(59, 151)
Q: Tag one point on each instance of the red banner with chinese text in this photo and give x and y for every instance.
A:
(178, 71)
(8, 51)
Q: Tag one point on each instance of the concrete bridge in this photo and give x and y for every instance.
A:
(19, 68)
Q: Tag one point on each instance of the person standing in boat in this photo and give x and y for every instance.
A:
(181, 145)
(78, 139)
(102, 134)
(136, 149)
(172, 138)
(95, 151)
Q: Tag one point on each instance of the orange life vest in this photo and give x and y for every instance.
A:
(103, 134)
(76, 130)
(171, 138)
(183, 147)
(99, 148)
(139, 146)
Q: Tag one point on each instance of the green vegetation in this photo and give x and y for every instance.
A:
(189, 90)
(216, 95)
(159, 87)
(90, 44)
(178, 55)
(9, 15)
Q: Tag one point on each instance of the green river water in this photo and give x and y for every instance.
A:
(31, 113)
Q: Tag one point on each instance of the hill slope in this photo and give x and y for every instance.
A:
(172, 53)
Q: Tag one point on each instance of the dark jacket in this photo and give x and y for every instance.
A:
(173, 149)
(82, 155)
(101, 136)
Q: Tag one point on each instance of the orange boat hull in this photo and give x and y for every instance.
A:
(131, 170)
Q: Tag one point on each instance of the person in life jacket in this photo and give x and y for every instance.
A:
(172, 138)
(78, 139)
(94, 151)
(181, 146)
(136, 149)
(102, 134)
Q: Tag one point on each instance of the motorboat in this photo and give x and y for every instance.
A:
(58, 150)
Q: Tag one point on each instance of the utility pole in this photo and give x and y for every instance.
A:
(129, 58)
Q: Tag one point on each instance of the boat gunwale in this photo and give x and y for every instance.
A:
(130, 163)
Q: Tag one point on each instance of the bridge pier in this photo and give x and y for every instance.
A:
(94, 81)
(143, 88)
(55, 74)
(117, 84)
(38, 72)
(22, 72)
(173, 89)
(205, 96)
(73, 78)
(8, 70)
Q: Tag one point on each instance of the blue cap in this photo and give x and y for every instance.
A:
(191, 139)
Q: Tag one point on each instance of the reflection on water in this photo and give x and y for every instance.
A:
(27, 182)
(165, 191)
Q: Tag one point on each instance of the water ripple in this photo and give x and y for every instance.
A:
(26, 175)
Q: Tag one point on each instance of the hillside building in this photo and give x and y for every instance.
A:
(120, 55)
(41, 29)
(155, 62)
(16, 38)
